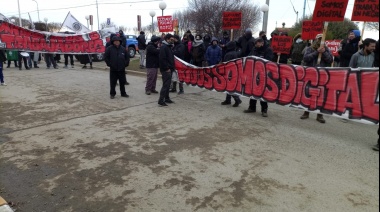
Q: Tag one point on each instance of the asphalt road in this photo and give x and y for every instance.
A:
(66, 146)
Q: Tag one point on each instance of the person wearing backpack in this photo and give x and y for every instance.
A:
(198, 51)
(296, 51)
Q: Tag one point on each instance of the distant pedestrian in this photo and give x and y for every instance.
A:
(3, 58)
(167, 68)
(117, 58)
(152, 64)
(311, 59)
(142, 46)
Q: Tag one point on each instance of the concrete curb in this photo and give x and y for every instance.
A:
(4, 207)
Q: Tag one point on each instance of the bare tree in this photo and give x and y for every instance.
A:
(373, 26)
(206, 15)
(123, 28)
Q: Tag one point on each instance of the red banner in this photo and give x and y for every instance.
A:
(310, 29)
(282, 44)
(333, 45)
(17, 38)
(165, 23)
(232, 20)
(330, 10)
(366, 10)
(343, 92)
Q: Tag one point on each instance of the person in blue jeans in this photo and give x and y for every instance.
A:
(3, 58)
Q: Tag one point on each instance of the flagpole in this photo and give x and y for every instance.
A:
(19, 14)
(64, 21)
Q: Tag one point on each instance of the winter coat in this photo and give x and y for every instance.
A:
(3, 58)
(349, 48)
(245, 44)
(264, 52)
(109, 43)
(179, 50)
(311, 58)
(166, 57)
(84, 58)
(117, 58)
(224, 42)
(141, 42)
(188, 47)
(361, 60)
(123, 39)
(213, 53)
(152, 56)
(198, 52)
(296, 50)
(231, 53)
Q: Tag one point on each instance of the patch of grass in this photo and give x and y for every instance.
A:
(135, 65)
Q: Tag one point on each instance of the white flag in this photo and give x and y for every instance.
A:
(72, 23)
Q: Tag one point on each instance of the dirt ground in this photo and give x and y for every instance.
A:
(66, 146)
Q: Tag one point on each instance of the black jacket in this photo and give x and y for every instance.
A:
(166, 57)
(141, 42)
(230, 52)
(117, 58)
(376, 63)
(152, 56)
(264, 52)
(246, 44)
(2, 56)
(179, 50)
(348, 49)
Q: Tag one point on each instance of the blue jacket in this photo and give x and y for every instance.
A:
(214, 54)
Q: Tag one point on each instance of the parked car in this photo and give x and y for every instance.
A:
(132, 44)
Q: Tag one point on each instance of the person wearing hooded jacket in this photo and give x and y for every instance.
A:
(263, 51)
(349, 47)
(198, 51)
(296, 51)
(179, 51)
(117, 58)
(123, 39)
(245, 43)
(152, 64)
(231, 54)
(166, 68)
(214, 53)
(142, 46)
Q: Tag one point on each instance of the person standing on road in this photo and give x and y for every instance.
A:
(214, 53)
(49, 59)
(142, 46)
(117, 59)
(67, 56)
(152, 64)
(296, 51)
(3, 58)
(166, 68)
(245, 43)
(198, 51)
(263, 51)
(230, 55)
(364, 58)
(179, 51)
(349, 47)
(311, 59)
(22, 56)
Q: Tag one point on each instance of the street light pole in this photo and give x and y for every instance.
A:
(38, 11)
(87, 18)
(19, 14)
(97, 11)
(265, 8)
(152, 14)
(46, 25)
(162, 6)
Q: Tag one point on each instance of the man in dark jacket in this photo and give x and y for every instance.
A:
(265, 52)
(223, 43)
(198, 51)
(167, 68)
(117, 59)
(142, 46)
(179, 50)
(230, 55)
(245, 43)
(311, 59)
(296, 51)
(349, 47)
(123, 39)
(152, 64)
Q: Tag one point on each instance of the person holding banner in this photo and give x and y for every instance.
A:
(245, 43)
(167, 67)
(311, 59)
(263, 51)
(179, 50)
(231, 54)
(152, 64)
(349, 47)
(23, 56)
(364, 58)
(117, 58)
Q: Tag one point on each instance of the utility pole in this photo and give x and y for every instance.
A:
(266, 15)
(304, 8)
(19, 14)
(97, 11)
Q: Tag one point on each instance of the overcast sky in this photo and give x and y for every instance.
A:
(124, 12)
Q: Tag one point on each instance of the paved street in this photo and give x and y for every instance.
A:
(66, 146)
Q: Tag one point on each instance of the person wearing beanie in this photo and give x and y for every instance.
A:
(179, 51)
(311, 59)
(167, 67)
(142, 46)
(152, 64)
(245, 43)
(350, 46)
(117, 58)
